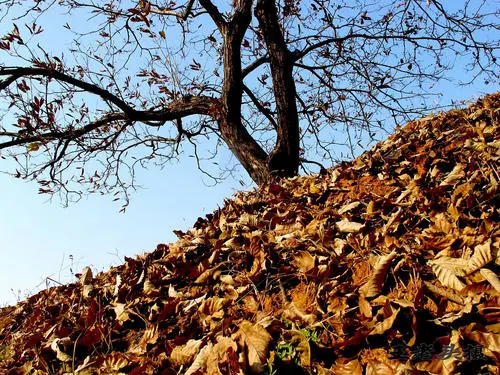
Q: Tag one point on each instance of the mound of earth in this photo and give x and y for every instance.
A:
(388, 264)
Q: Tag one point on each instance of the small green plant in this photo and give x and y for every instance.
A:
(269, 369)
(285, 350)
(311, 336)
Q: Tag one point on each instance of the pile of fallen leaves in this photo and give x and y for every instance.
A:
(385, 265)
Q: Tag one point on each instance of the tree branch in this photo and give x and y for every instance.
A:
(202, 105)
(260, 107)
(68, 134)
(300, 54)
(214, 13)
(19, 72)
(254, 65)
(180, 15)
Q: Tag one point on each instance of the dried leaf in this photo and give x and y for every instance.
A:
(491, 277)
(346, 226)
(304, 261)
(352, 367)
(301, 344)
(185, 354)
(385, 324)
(455, 175)
(255, 339)
(481, 257)
(86, 276)
(348, 207)
(447, 277)
(374, 285)
(490, 341)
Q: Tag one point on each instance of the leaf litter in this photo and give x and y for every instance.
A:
(388, 264)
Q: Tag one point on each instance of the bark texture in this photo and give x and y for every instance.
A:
(284, 159)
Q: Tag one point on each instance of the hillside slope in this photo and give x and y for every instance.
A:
(388, 264)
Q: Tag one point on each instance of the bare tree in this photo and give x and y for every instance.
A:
(273, 80)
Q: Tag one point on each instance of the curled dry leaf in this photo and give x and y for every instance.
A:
(86, 276)
(114, 362)
(457, 265)
(374, 285)
(454, 176)
(353, 367)
(376, 367)
(302, 347)
(385, 324)
(62, 348)
(213, 307)
(294, 313)
(304, 261)
(488, 340)
(348, 207)
(481, 257)
(491, 277)
(87, 291)
(122, 312)
(149, 337)
(223, 355)
(199, 364)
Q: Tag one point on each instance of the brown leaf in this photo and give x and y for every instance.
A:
(455, 175)
(374, 285)
(185, 354)
(304, 261)
(447, 277)
(255, 341)
(482, 256)
(491, 277)
(346, 226)
(86, 276)
(352, 367)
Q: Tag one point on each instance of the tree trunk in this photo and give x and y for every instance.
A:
(284, 160)
(240, 142)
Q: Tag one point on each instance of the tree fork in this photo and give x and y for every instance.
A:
(246, 149)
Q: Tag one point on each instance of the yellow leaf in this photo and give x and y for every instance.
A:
(162, 34)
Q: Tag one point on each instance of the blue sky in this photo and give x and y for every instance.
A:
(41, 241)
